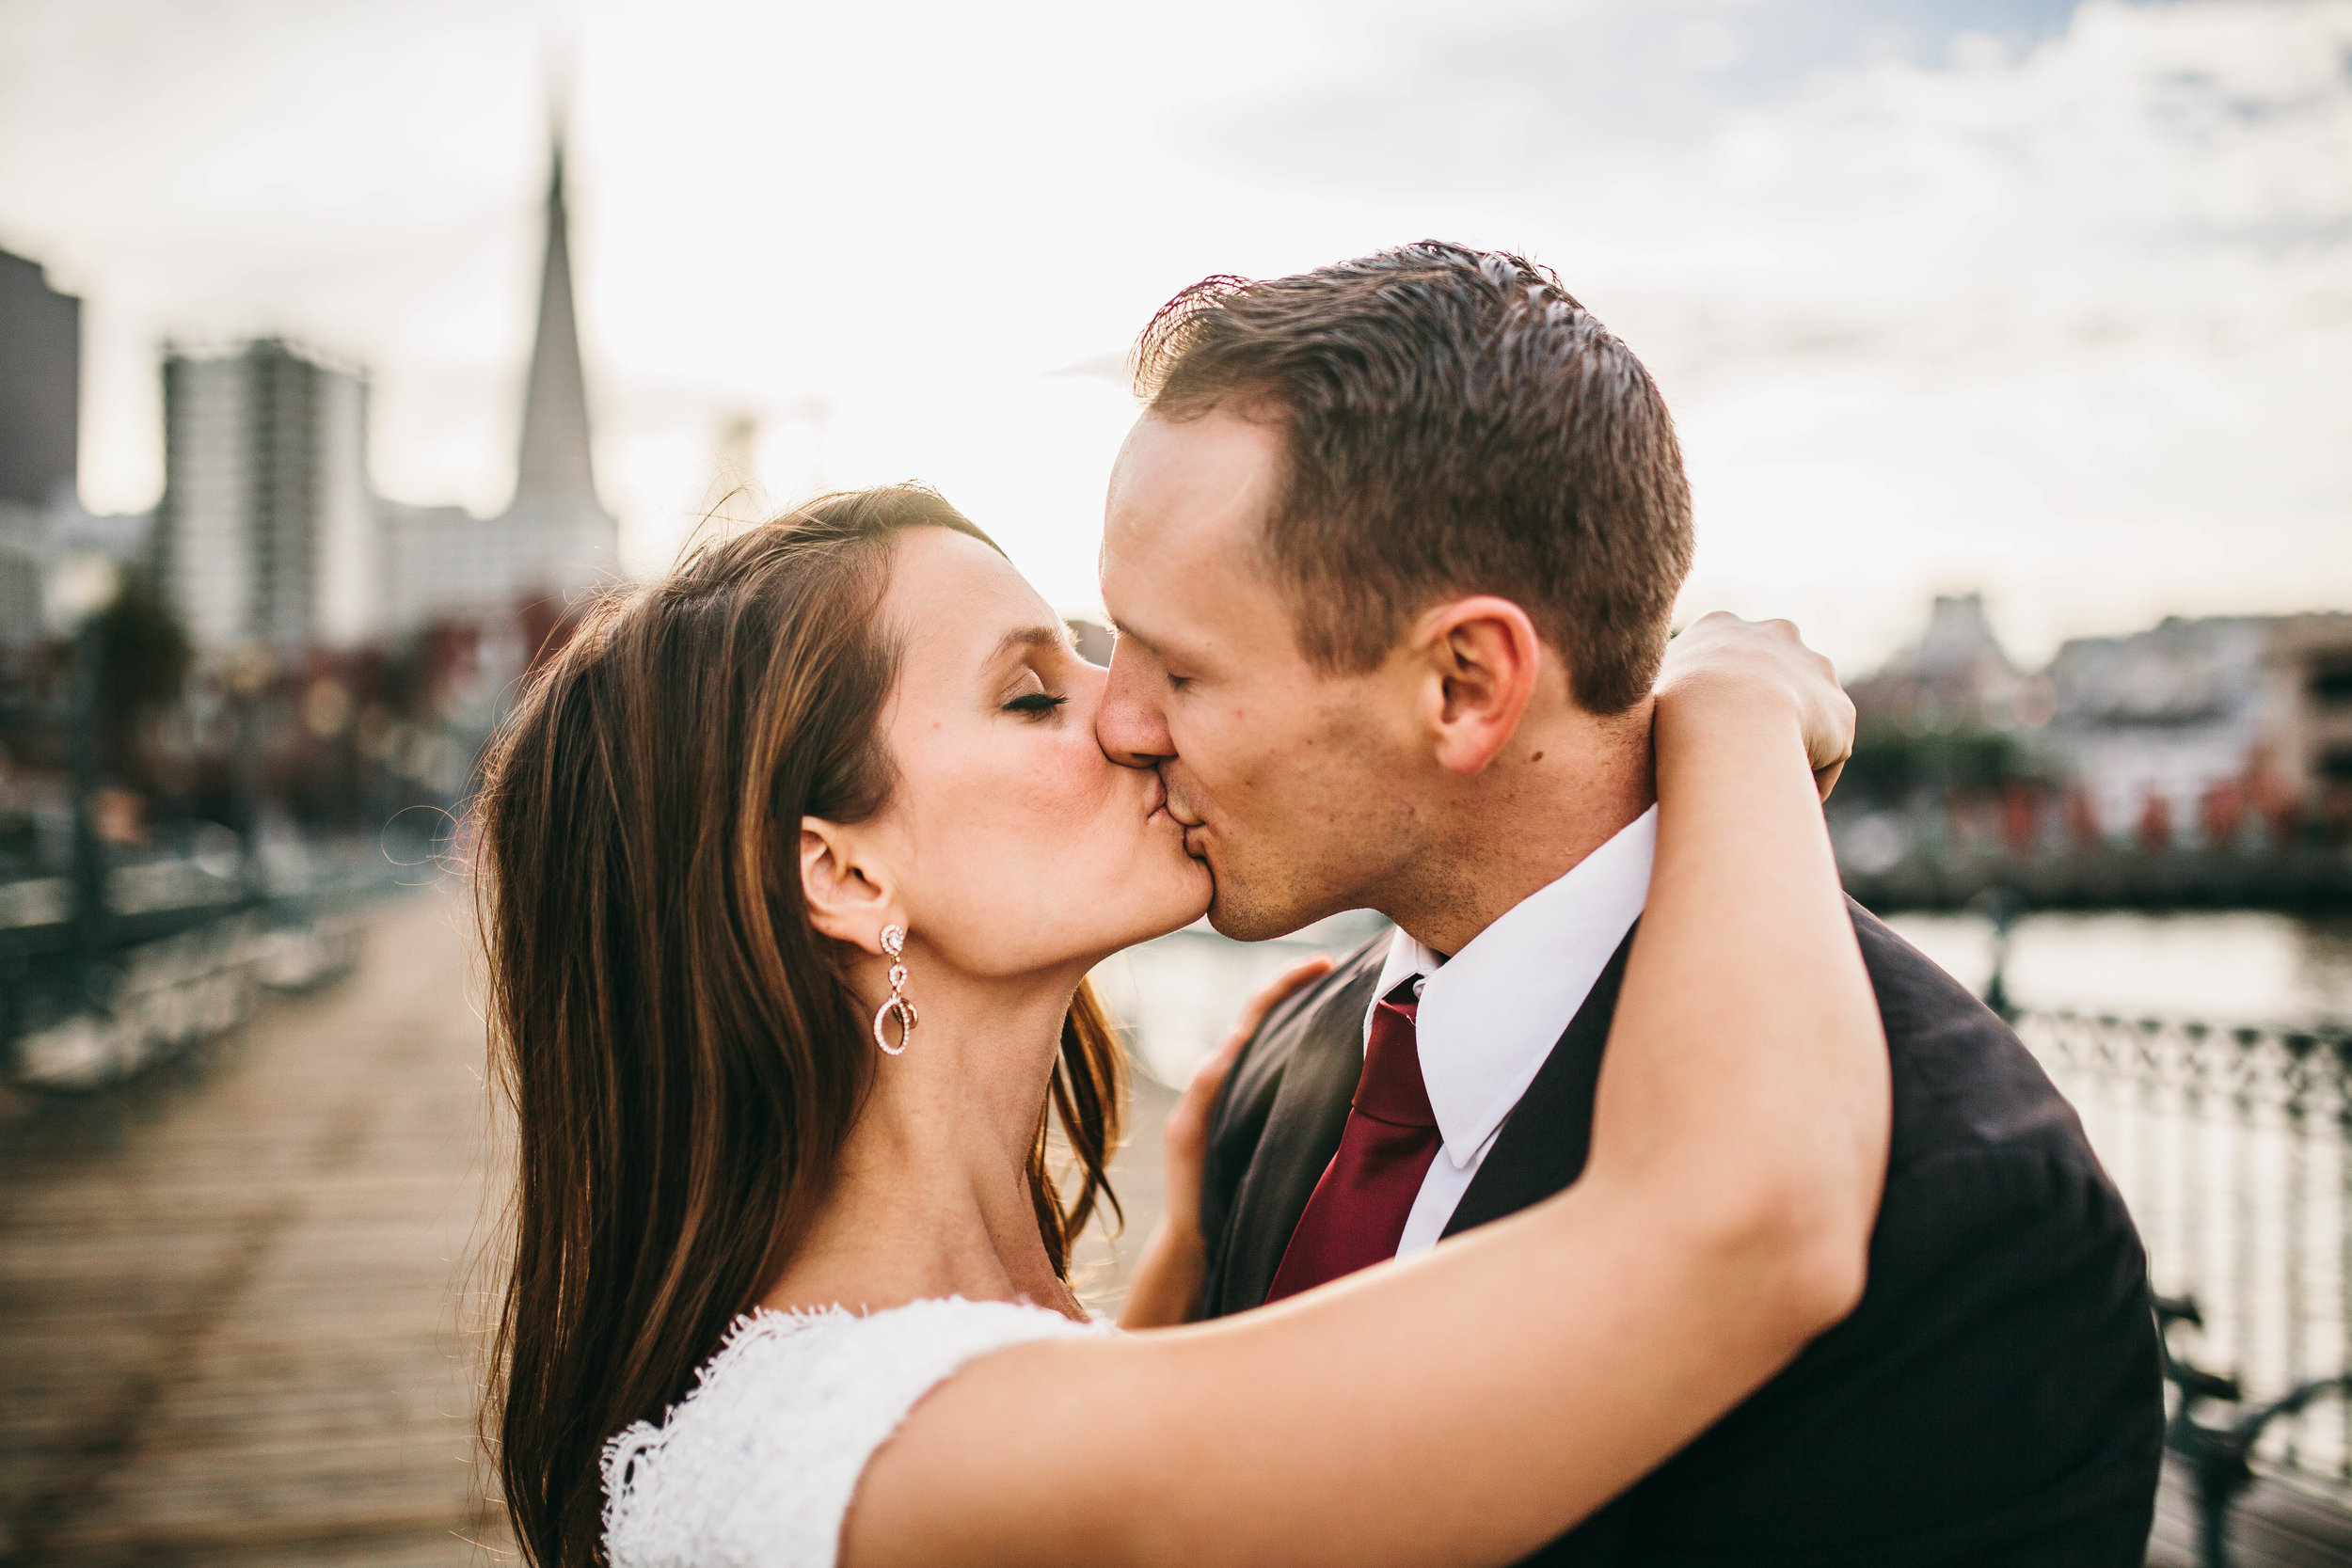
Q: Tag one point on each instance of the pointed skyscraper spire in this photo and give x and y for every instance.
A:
(554, 471)
(555, 538)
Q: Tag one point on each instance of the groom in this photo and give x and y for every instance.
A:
(1392, 553)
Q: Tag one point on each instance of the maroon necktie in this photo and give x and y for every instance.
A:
(1359, 1209)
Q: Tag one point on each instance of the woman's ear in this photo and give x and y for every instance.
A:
(847, 900)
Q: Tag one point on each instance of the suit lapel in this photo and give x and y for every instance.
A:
(1302, 1132)
(1543, 1146)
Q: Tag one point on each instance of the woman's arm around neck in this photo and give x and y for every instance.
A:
(1468, 1405)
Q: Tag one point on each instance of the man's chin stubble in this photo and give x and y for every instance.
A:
(1243, 920)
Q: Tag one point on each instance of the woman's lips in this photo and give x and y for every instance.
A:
(1161, 807)
(1188, 824)
(1193, 830)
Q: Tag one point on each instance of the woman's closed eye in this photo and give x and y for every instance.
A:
(1030, 692)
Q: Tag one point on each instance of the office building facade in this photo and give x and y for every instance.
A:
(267, 531)
(40, 400)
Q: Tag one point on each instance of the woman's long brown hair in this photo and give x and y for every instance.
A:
(682, 1053)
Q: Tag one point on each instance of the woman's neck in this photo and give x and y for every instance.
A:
(932, 1193)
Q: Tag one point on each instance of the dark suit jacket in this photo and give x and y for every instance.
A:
(1996, 1399)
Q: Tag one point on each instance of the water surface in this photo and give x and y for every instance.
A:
(1179, 995)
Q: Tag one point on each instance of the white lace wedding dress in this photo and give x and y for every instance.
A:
(755, 1467)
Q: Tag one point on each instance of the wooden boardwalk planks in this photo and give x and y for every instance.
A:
(232, 1327)
(235, 1307)
(2274, 1525)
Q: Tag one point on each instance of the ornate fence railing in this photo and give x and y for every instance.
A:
(1894, 863)
(2233, 1149)
(173, 955)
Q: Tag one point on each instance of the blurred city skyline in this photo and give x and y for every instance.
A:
(2046, 299)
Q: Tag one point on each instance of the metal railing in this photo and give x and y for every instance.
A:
(172, 956)
(2233, 1149)
(1949, 875)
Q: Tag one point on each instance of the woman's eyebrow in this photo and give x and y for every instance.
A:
(1032, 637)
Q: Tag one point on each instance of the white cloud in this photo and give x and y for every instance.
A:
(2082, 326)
(2061, 308)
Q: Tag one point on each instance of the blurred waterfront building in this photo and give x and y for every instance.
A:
(1956, 677)
(2197, 720)
(40, 393)
(40, 386)
(43, 530)
(267, 531)
(555, 537)
(2311, 675)
(2153, 723)
(2190, 729)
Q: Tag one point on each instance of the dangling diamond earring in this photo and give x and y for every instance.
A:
(894, 943)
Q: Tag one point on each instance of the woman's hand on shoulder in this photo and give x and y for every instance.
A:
(1187, 1136)
(1165, 1288)
(1720, 660)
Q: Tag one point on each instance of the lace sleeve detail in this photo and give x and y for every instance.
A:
(756, 1467)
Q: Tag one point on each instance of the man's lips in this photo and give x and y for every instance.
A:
(1168, 805)
(1193, 830)
(1163, 805)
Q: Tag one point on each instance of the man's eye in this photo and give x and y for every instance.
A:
(1036, 702)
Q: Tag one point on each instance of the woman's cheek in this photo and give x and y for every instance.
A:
(1073, 786)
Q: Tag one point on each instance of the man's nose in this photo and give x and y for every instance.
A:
(1130, 726)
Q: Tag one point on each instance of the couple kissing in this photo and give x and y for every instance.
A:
(1639, 1199)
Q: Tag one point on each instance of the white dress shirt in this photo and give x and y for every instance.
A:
(1490, 1015)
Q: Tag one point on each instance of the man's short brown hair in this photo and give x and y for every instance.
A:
(1457, 424)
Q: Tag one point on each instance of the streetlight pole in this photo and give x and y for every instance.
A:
(89, 857)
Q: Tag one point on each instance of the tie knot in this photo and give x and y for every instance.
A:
(1392, 1089)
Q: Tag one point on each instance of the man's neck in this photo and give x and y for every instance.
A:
(1518, 827)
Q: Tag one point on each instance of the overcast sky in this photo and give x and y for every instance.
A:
(2045, 298)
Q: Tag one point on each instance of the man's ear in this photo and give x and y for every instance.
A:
(1477, 662)
(847, 899)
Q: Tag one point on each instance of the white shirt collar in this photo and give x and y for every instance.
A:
(1490, 1015)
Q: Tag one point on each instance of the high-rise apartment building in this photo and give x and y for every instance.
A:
(41, 384)
(267, 532)
(41, 401)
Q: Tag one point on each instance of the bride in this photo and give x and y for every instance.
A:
(793, 867)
